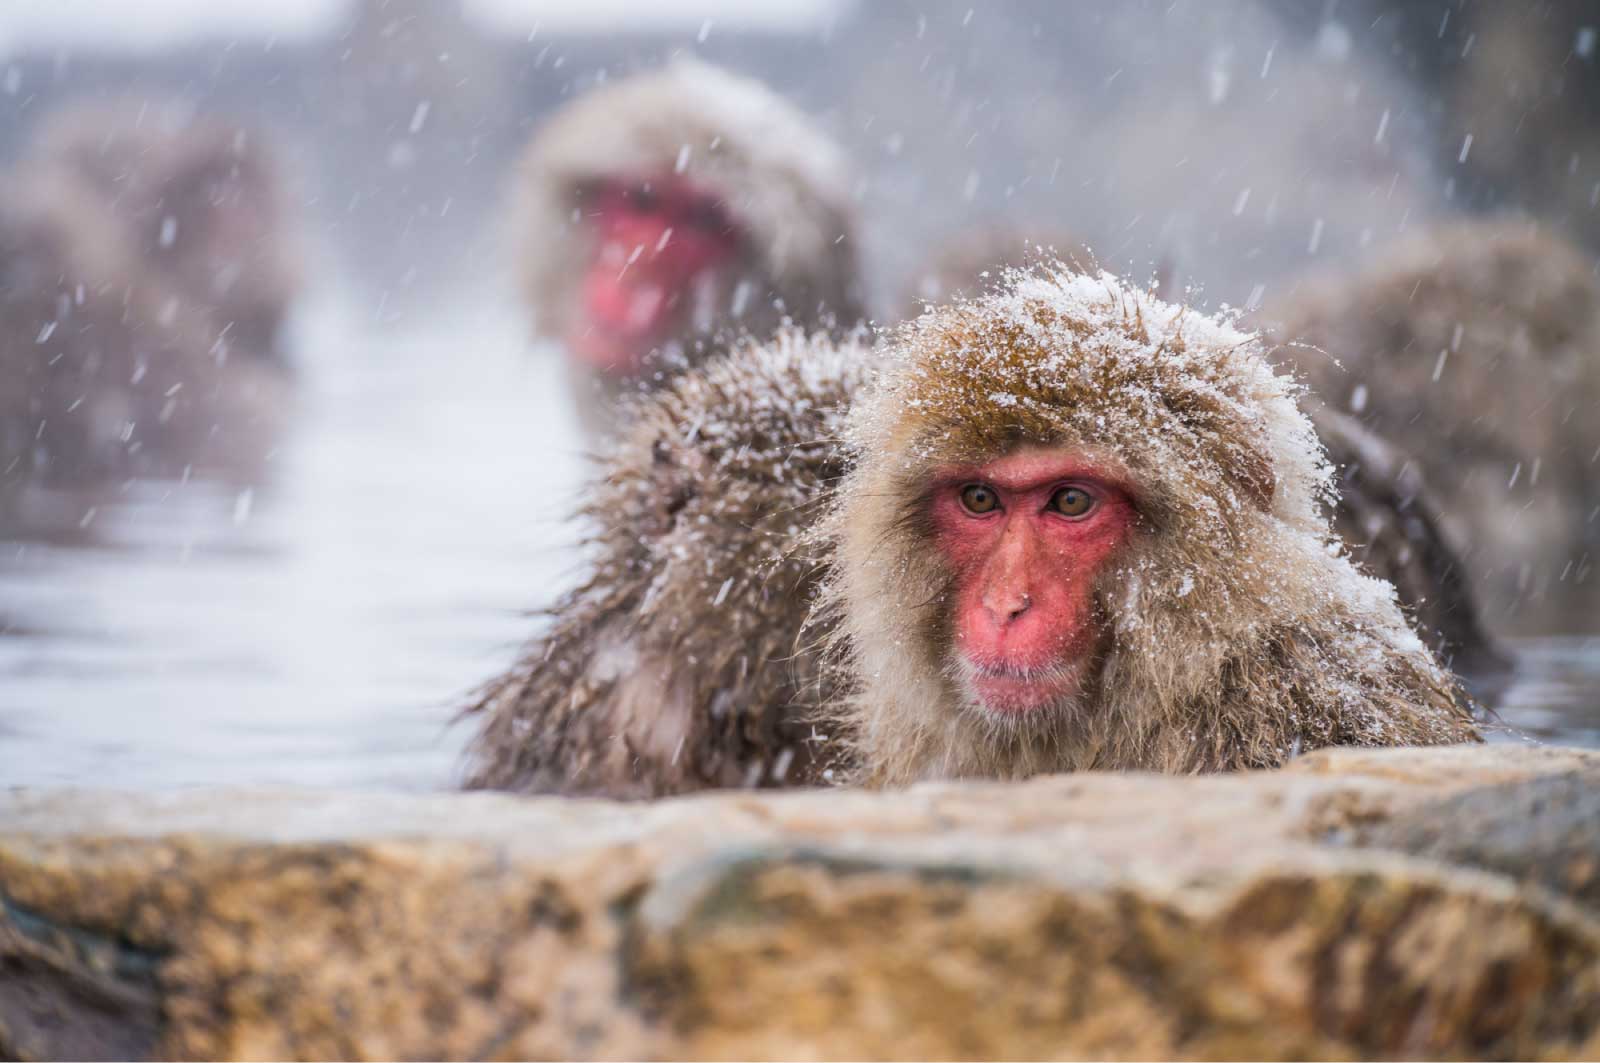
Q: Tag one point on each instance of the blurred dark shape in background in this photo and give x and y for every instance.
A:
(1476, 347)
(148, 272)
(202, 201)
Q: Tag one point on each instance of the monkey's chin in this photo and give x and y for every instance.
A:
(609, 353)
(1016, 692)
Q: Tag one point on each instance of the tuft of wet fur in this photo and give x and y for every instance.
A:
(779, 176)
(1239, 633)
(678, 665)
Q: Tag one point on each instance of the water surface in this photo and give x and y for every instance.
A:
(318, 629)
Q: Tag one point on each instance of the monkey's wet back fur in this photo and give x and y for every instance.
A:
(679, 664)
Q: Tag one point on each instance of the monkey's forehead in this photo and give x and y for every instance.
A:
(1026, 461)
(1187, 402)
(1062, 347)
(692, 119)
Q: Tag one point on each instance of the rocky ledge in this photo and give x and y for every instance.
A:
(1437, 903)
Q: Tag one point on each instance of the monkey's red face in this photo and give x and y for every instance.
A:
(1026, 537)
(659, 246)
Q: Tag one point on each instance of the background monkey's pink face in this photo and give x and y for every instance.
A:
(655, 242)
(1027, 536)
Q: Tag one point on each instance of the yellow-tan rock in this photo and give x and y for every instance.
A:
(1354, 905)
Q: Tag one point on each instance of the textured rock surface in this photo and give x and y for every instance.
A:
(1398, 903)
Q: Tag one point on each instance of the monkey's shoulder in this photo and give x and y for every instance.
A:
(741, 446)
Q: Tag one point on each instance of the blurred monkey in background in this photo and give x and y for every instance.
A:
(205, 205)
(662, 215)
(146, 278)
(1474, 346)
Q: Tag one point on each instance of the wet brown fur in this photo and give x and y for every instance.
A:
(1390, 522)
(678, 664)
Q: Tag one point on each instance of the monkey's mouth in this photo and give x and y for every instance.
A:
(1011, 689)
(622, 323)
(609, 352)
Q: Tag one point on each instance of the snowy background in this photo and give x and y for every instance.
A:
(320, 627)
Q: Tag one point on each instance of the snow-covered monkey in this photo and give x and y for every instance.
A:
(1083, 530)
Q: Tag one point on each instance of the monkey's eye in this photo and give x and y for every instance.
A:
(978, 498)
(642, 198)
(1072, 501)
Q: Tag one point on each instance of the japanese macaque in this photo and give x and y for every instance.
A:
(1382, 510)
(145, 281)
(1476, 348)
(662, 214)
(676, 666)
(1083, 530)
(107, 372)
(203, 204)
(1077, 527)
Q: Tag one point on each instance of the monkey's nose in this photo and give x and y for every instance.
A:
(1009, 608)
